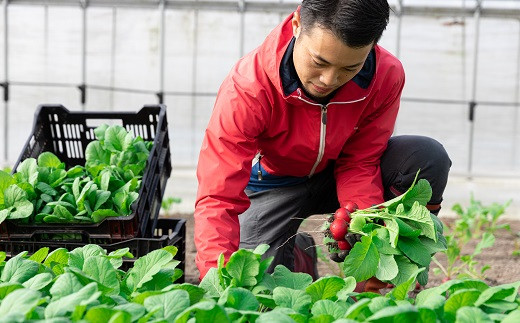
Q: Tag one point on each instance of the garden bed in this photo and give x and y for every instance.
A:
(505, 267)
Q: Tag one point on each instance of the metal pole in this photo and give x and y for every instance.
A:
(473, 104)
(463, 50)
(399, 12)
(82, 87)
(242, 10)
(6, 81)
(515, 113)
(46, 41)
(194, 83)
(113, 56)
(162, 8)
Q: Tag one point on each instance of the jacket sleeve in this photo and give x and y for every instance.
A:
(357, 170)
(223, 170)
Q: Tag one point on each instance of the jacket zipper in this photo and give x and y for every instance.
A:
(323, 126)
(323, 131)
(259, 172)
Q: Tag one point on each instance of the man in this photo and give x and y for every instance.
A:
(301, 125)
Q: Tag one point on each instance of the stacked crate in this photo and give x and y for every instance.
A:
(66, 134)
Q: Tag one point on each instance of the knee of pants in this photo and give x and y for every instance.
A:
(412, 153)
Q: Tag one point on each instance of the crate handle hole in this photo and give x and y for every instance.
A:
(93, 123)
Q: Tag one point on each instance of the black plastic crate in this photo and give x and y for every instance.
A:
(66, 134)
(169, 232)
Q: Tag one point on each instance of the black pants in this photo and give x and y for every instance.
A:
(276, 214)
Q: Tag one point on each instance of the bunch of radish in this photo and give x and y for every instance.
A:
(336, 230)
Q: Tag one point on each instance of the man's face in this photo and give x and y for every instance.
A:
(322, 61)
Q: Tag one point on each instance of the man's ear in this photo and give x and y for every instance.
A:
(296, 24)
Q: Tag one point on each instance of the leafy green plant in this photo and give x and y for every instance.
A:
(398, 237)
(477, 222)
(43, 191)
(167, 203)
(87, 285)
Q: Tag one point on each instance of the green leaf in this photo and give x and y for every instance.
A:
(64, 285)
(48, 159)
(487, 241)
(387, 268)
(357, 223)
(432, 246)
(19, 270)
(162, 279)
(328, 307)
(101, 198)
(211, 283)
(27, 171)
(40, 255)
(413, 249)
(85, 296)
(101, 270)
(77, 257)
(6, 180)
(15, 200)
(145, 267)
(206, 311)
(421, 193)
(380, 302)
(362, 261)
(512, 317)
(506, 292)
(63, 214)
(421, 218)
(460, 299)
(283, 277)
(261, 249)
(95, 154)
(57, 259)
(406, 269)
(19, 303)
(117, 139)
(135, 310)
(243, 266)
(355, 310)
(39, 281)
(401, 313)
(102, 314)
(427, 315)
(196, 293)
(472, 315)
(400, 292)
(297, 300)
(325, 288)
(273, 316)
(406, 230)
(393, 229)
(350, 286)
(168, 305)
(7, 288)
(101, 214)
(240, 299)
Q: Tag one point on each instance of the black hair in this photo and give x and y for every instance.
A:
(357, 23)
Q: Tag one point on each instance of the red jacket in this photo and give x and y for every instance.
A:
(253, 115)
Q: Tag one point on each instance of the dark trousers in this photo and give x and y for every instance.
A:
(276, 214)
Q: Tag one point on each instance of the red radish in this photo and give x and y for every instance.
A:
(342, 213)
(339, 229)
(344, 245)
(351, 206)
(445, 279)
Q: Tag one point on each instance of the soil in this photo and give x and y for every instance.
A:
(505, 267)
